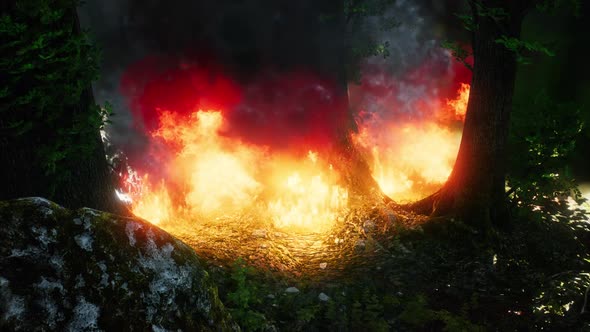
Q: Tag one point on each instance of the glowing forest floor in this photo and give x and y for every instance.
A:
(375, 272)
(356, 242)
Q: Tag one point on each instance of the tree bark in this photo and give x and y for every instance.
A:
(350, 163)
(475, 190)
(90, 183)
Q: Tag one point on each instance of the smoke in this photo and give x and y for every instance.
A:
(281, 111)
(275, 55)
(418, 73)
(244, 38)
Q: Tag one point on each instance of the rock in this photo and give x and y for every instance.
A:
(403, 249)
(360, 245)
(292, 290)
(259, 233)
(392, 218)
(323, 297)
(368, 226)
(87, 270)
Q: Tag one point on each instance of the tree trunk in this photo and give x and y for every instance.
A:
(351, 164)
(475, 190)
(89, 183)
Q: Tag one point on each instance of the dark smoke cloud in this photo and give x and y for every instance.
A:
(244, 36)
(247, 37)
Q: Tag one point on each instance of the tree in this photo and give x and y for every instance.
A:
(475, 190)
(348, 16)
(49, 123)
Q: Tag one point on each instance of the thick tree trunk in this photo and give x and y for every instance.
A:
(475, 190)
(92, 183)
(89, 182)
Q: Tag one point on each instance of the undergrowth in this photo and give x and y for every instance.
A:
(438, 277)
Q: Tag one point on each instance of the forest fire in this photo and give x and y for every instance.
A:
(411, 152)
(418, 164)
(216, 148)
(216, 176)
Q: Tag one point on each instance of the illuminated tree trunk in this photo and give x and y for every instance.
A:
(475, 190)
(351, 164)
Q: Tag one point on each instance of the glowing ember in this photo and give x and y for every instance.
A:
(211, 175)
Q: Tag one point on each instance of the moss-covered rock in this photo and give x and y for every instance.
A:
(87, 270)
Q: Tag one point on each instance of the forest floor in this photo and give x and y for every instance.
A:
(382, 268)
(357, 241)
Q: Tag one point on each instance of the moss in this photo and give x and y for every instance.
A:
(131, 285)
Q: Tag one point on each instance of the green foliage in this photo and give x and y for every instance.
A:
(361, 309)
(245, 294)
(418, 314)
(522, 48)
(362, 43)
(530, 277)
(84, 125)
(438, 277)
(459, 53)
(48, 67)
(553, 5)
(543, 137)
(308, 313)
(354, 9)
(467, 21)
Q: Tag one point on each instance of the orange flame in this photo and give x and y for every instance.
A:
(215, 175)
(410, 160)
(211, 175)
(459, 105)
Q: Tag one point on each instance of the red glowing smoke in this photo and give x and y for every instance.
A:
(279, 110)
(417, 95)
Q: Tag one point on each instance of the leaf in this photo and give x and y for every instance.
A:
(458, 52)
(522, 48)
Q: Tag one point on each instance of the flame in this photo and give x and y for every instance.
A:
(154, 206)
(209, 175)
(306, 195)
(411, 159)
(459, 105)
(218, 173)
(216, 147)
